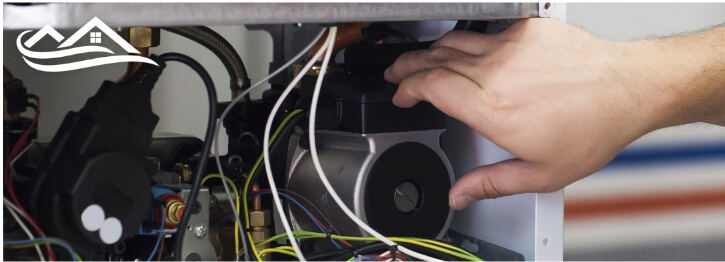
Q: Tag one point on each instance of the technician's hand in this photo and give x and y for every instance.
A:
(561, 100)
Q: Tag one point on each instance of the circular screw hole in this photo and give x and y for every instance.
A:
(119, 248)
(545, 241)
(307, 246)
(547, 6)
(196, 208)
(406, 197)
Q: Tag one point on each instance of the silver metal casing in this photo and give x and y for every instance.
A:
(347, 159)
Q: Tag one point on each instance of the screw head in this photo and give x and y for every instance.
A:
(196, 208)
(200, 230)
(213, 201)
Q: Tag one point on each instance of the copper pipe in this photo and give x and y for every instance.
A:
(133, 66)
(257, 204)
(346, 35)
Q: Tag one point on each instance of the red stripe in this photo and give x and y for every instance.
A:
(640, 204)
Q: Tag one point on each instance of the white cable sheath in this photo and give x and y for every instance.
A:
(224, 115)
(13, 209)
(323, 177)
(267, 163)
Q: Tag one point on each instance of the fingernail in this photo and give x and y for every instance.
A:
(461, 201)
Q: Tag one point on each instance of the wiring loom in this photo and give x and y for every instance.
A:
(224, 115)
(9, 176)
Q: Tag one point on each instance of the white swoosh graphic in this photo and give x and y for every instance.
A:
(90, 63)
(59, 53)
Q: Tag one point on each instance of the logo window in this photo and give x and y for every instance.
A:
(95, 37)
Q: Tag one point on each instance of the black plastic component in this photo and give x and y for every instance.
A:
(372, 60)
(97, 157)
(16, 96)
(363, 105)
(171, 149)
(472, 25)
(413, 163)
(380, 30)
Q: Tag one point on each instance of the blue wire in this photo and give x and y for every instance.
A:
(303, 209)
(161, 233)
(47, 239)
(360, 258)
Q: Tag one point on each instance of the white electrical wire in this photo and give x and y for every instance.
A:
(12, 162)
(13, 209)
(267, 130)
(224, 115)
(323, 177)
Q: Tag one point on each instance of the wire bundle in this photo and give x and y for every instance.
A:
(14, 155)
(216, 135)
(45, 240)
(309, 214)
(267, 163)
(434, 245)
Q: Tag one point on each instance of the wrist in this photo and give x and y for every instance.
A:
(675, 81)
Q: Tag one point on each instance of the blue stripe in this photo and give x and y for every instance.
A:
(678, 154)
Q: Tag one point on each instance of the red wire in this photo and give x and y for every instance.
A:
(387, 256)
(9, 179)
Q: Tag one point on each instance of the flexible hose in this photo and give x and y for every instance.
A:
(222, 49)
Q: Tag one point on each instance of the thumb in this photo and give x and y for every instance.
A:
(504, 178)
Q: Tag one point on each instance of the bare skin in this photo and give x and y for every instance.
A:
(563, 101)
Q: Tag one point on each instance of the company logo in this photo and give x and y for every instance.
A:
(95, 31)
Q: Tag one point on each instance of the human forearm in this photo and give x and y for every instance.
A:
(682, 79)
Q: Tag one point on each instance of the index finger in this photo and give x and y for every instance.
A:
(450, 92)
(421, 60)
(467, 41)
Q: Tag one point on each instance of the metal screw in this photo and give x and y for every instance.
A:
(212, 201)
(196, 208)
(200, 230)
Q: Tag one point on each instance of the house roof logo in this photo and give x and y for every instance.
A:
(66, 50)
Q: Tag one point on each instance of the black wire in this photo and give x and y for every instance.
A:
(375, 248)
(222, 49)
(196, 184)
